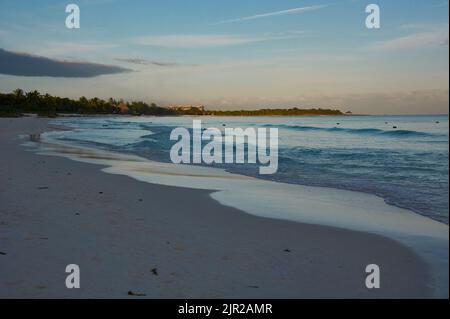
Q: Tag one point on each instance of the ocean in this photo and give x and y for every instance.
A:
(403, 159)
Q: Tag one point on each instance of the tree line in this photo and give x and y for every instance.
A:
(278, 112)
(19, 102)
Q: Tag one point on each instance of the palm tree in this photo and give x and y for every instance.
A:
(18, 94)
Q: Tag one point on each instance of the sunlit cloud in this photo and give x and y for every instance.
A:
(201, 41)
(70, 48)
(139, 61)
(427, 39)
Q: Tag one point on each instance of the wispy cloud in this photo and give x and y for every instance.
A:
(138, 61)
(274, 14)
(23, 64)
(144, 62)
(426, 39)
(424, 26)
(204, 41)
(62, 48)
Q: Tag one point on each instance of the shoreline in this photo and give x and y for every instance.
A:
(316, 256)
(386, 197)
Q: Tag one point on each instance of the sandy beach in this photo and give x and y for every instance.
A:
(170, 242)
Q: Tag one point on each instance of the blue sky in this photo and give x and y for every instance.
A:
(241, 53)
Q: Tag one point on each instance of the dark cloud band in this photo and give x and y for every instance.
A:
(147, 62)
(21, 64)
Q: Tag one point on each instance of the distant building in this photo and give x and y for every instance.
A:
(123, 108)
(186, 107)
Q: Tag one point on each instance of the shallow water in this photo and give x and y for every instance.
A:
(406, 165)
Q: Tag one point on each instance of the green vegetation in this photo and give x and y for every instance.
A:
(18, 102)
(9, 111)
(46, 105)
(262, 112)
(277, 112)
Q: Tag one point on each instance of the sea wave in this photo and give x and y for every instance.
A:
(360, 131)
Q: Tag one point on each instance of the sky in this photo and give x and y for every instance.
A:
(233, 54)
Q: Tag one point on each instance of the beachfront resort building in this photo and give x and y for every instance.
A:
(186, 107)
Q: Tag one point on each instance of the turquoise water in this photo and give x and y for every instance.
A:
(406, 165)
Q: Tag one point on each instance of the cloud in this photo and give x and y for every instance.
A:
(274, 14)
(22, 64)
(62, 48)
(133, 61)
(202, 41)
(147, 62)
(426, 39)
